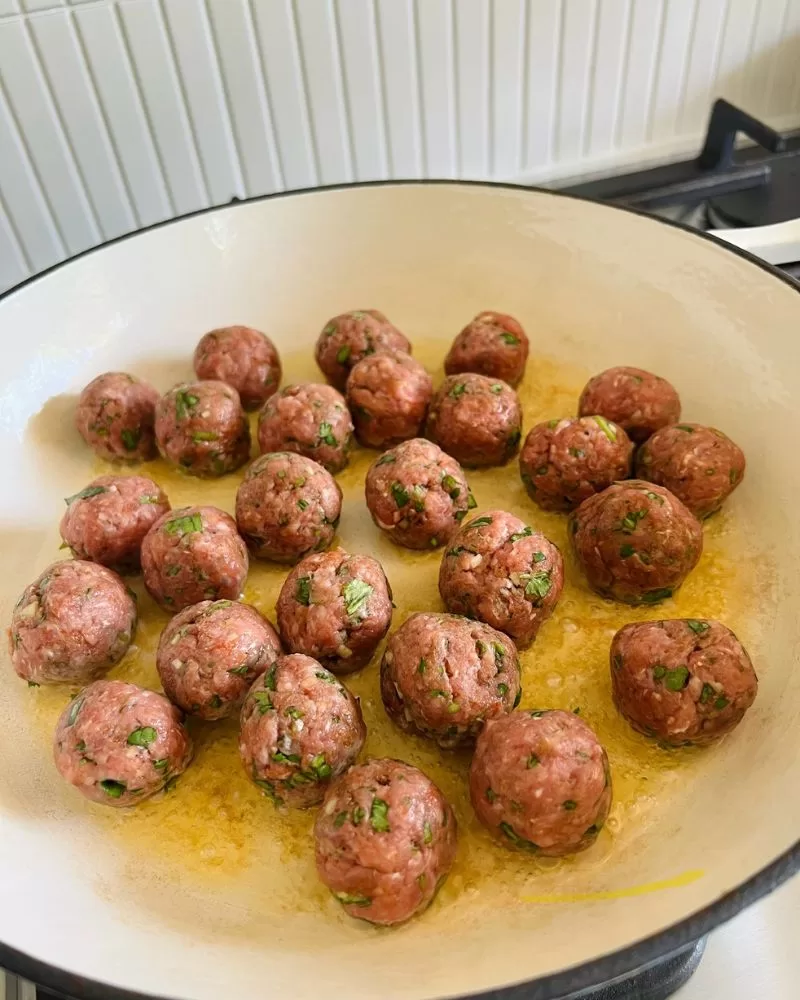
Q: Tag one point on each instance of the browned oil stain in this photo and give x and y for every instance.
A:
(215, 828)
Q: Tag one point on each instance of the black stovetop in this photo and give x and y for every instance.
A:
(721, 188)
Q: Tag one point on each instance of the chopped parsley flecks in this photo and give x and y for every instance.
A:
(184, 525)
(86, 493)
(356, 593)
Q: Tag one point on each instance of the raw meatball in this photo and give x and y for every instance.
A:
(311, 419)
(477, 420)
(115, 417)
(243, 358)
(443, 676)
(118, 743)
(388, 395)
(287, 506)
(72, 624)
(683, 681)
(638, 401)
(106, 521)
(700, 465)
(501, 571)
(336, 608)
(565, 461)
(540, 781)
(300, 729)
(210, 654)
(492, 344)
(635, 542)
(417, 494)
(193, 554)
(385, 840)
(202, 427)
(350, 337)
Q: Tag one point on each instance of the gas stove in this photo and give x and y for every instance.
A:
(749, 197)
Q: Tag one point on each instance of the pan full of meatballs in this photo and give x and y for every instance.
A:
(390, 621)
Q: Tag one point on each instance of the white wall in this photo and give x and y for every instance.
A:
(115, 115)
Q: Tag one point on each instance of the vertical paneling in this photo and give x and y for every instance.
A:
(321, 61)
(766, 53)
(671, 67)
(188, 37)
(32, 104)
(579, 22)
(364, 90)
(607, 77)
(277, 40)
(14, 267)
(508, 69)
(247, 98)
(25, 200)
(124, 114)
(150, 52)
(434, 33)
(396, 31)
(115, 114)
(704, 52)
(542, 80)
(784, 95)
(642, 50)
(732, 68)
(472, 34)
(85, 129)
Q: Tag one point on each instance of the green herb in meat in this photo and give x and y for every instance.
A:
(356, 593)
(184, 402)
(264, 701)
(479, 522)
(537, 585)
(351, 899)
(427, 833)
(86, 493)
(697, 627)
(142, 737)
(629, 522)
(184, 525)
(400, 494)
(626, 550)
(654, 596)
(508, 831)
(343, 354)
(677, 679)
(607, 428)
(379, 816)
(320, 767)
(130, 438)
(113, 789)
(569, 805)
(509, 338)
(326, 434)
(525, 533)
(458, 390)
(386, 459)
(533, 761)
(302, 593)
(451, 487)
(75, 707)
(200, 436)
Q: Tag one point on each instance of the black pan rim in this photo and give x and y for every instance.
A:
(557, 985)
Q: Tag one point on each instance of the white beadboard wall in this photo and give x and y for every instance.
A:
(115, 114)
